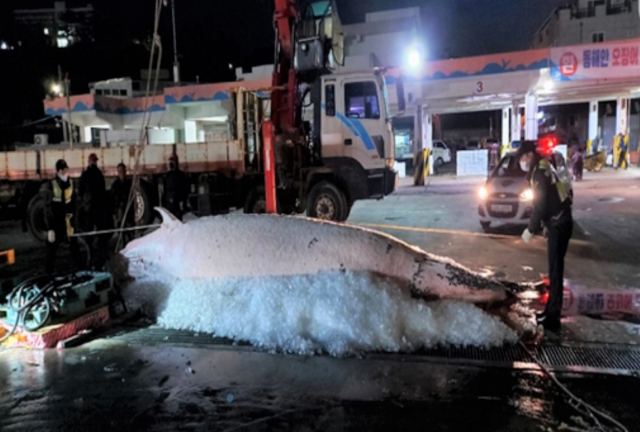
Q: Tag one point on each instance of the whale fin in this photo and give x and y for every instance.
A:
(168, 220)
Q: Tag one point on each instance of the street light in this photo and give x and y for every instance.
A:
(56, 89)
(414, 58)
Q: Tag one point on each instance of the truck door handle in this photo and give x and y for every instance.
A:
(348, 141)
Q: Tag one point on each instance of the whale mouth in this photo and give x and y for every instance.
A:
(119, 268)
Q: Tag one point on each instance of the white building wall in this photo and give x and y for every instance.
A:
(561, 29)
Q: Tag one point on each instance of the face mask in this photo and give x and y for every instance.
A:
(524, 166)
(63, 177)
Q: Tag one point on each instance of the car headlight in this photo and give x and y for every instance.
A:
(483, 193)
(526, 195)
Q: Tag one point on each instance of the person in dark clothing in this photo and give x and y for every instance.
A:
(578, 163)
(176, 189)
(622, 153)
(551, 210)
(60, 202)
(92, 210)
(120, 191)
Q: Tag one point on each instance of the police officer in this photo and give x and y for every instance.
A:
(176, 189)
(551, 210)
(92, 214)
(59, 208)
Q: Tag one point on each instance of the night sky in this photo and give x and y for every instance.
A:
(215, 33)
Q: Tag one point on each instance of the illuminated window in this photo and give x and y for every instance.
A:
(361, 100)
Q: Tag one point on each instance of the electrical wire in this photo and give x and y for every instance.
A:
(576, 403)
(146, 119)
(44, 119)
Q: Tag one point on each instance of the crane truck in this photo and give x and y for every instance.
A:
(320, 142)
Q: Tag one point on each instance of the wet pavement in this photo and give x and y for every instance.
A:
(108, 385)
(118, 385)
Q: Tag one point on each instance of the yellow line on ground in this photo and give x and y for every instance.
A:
(451, 232)
(437, 231)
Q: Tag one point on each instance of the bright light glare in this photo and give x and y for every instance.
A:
(526, 195)
(483, 193)
(4, 46)
(548, 85)
(56, 89)
(414, 58)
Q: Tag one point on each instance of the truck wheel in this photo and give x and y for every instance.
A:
(255, 202)
(327, 202)
(439, 162)
(143, 207)
(35, 218)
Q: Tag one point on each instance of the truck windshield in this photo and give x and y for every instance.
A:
(385, 95)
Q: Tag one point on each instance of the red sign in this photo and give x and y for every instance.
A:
(618, 59)
(568, 64)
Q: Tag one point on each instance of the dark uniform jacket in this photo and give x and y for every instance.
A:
(93, 206)
(176, 191)
(120, 191)
(551, 204)
(59, 198)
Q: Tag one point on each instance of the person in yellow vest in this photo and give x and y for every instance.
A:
(551, 212)
(59, 209)
(623, 148)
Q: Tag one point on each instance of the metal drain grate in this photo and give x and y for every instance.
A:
(557, 357)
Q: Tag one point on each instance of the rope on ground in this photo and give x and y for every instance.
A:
(115, 230)
(577, 403)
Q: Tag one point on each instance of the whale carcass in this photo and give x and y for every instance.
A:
(262, 245)
(307, 286)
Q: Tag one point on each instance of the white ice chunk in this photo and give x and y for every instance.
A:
(338, 312)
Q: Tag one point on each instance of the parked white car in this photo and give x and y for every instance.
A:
(507, 198)
(441, 153)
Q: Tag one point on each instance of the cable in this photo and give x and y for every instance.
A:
(30, 123)
(146, 119)
(115, 230)
(574, 400)
(22, 311)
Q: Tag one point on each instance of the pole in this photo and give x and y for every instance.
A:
(64, 123)
(176, 65)
(269, 167)
(66, 91)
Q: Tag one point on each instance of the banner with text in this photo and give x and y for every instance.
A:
(596, 61)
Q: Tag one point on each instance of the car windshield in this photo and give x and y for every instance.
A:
(509, 167)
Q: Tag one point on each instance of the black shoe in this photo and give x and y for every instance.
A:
(549, 323)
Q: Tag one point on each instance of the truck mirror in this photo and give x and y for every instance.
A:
(402, 104)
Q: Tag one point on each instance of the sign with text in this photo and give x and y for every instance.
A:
(596, 61)
(472, 163)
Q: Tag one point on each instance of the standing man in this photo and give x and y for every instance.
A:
(59, 208)
(176, 189)
(622, 152)
(92, 214)
(120, 191)
(551, 210)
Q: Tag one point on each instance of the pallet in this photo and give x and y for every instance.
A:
(52, 336)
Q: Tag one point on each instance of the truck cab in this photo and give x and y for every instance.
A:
(356, 134)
